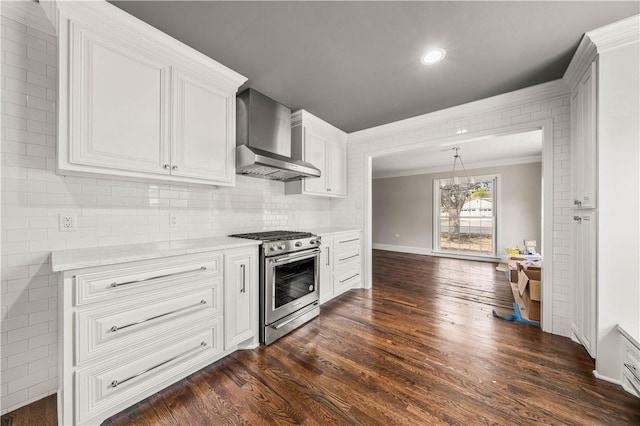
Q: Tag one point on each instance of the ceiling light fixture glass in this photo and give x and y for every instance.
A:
(433, 56)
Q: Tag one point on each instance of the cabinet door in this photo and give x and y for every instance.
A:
(119, 104)
(315, 152)
(589, 141)
(203, 129)
(241, 296)
(326, 270)
(576, 146)
(336, 169)
(584, 280)
(589, 246)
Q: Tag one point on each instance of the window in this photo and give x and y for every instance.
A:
(465, 223)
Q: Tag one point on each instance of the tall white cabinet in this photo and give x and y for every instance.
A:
(136, 103)
(584, 190)
(584, 207)
(323, 145)
(604, 81)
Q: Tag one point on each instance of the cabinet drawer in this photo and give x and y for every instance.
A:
(347, 278)
(346, 248)
(631, 367)
(110, 282)
(112, 386)
(118, 327)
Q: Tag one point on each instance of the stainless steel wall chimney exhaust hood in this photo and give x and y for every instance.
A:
(263, 140)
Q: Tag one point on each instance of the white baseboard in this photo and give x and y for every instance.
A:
(429, 252)
(606, 378)
(401, 249)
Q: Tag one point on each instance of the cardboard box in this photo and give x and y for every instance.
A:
(530, 288)
(514, 263)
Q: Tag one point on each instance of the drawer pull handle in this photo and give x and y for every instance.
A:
(116, 328)
(244, 279)
(202, 268)
(349, 257)
(116, 383)
(348, 241)
(633, 370)
(347, 279)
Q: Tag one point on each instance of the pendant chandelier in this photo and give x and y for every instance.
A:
(455, 185)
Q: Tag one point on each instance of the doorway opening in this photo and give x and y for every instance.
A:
(544, 212)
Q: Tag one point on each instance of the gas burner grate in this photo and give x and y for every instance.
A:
(274, 235)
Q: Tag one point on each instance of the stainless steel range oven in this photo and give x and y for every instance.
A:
(289, 294)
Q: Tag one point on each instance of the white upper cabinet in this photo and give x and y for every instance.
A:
(584, 140)
(323, 145)
(137, 103)
(203, 129)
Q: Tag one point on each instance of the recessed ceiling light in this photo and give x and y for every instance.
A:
(433, 56)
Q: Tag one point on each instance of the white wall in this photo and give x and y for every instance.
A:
(619, 203)
(404, 206)
(109, 212)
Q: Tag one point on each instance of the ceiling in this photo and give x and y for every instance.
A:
(475, 153)
(357, 64)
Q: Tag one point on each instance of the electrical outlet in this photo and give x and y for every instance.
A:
(173, 220)
(67, 222)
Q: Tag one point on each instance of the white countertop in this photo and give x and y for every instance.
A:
(331, 230)
(64, 260)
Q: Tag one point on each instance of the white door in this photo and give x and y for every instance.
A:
(326, 269)
(203, 140)
(119, 104)
(240, 297)
(316, 154)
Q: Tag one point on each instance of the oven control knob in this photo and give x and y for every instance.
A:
(282, 247)
(272, 248)
(310, 288)
(298, 244)
(312, 242)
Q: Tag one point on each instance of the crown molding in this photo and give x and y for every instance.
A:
(28, 13)
(472, 167)
(600, 40)
(585, 55)
(505, 100)
(616, 34)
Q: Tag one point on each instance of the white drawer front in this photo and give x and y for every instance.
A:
(346, 241)
(347, 278)
(346, 255)
(631, 367)
(149, 276)
(118, 327)
(109, 387)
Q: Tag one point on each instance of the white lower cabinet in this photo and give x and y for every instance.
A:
(630, 365)
(340, 266)
(326, 269)
(241, 298)
(129, 330)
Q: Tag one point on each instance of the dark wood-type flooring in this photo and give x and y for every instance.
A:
(421, 348)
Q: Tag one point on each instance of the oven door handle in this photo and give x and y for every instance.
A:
(297, 256)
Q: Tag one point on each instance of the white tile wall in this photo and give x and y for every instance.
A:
(349, 212)
(109, 212)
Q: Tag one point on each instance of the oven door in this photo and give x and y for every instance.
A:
(291, 283)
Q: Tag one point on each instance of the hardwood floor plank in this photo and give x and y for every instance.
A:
(420, 348)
